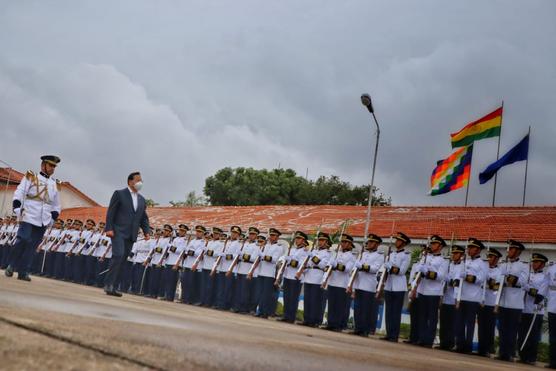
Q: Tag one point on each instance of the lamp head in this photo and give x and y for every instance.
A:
(367, 102)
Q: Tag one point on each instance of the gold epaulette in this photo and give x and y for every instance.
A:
(30, 175)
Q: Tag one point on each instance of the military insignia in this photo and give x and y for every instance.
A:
(365, 268)
(173, 248)
(470, 278)
(294, 263)
(340, 267)
(191, 253)
(229, 256)
(210, 252)
(315, 259)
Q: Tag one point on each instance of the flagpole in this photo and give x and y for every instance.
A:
(526, 166)
(467, 190)
(498, 154)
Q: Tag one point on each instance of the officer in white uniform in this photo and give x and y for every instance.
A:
(434, 269)
(536, 289)
(338, 299)
(174, 251)
(244, 287)
(473, 276)
(208, 287)
(551, 308)
(513, 274)
(225, 284)
(447, 309)
(156, 261)
(292, 286)
(364, 286)
(314, 296)
(272, 252)
(395, 286)
(486, 318)
(36, 203)
(190, 280)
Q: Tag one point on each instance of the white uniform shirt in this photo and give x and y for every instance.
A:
(551, 273)
(72, 237)
(174, 250)
(473, 292)
(368, 266)
(194, 248)
(232, 250)
(453, 277)
(316, 265)
(211, 253)
(398, 282)
(159, 249)
(249, 254)
(141, 250)
(344, 263)
(103, 245)
(294, 260)
(490, 290)
(84, 242)
(512, 297)
(53, 238)
(270, 256)
(540, 282)
(39, 197)
(436, 271)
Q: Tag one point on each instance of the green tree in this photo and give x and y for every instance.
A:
(150, 202)
(247, 186)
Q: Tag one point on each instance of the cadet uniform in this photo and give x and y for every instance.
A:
(212, 250)
(90, 260)
(487, 318)
(292, 286)
(36, 202)
(473, 276)
(103, 253)
(314, 296)
(80, 250)
(190, 280)
(365, 306)
(155, 262)
(433, 269)
(338, 299)
(514, 274)
(173, 253)
(551, 308)
(536, 289)
(245, 288)
(226, 284)
(272, 252)
(447, 309)
(395, 287)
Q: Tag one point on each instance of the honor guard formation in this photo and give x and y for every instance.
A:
(448, 289)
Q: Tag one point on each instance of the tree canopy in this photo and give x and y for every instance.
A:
(247, 186)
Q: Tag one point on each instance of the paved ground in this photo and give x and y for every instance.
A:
(48, 324)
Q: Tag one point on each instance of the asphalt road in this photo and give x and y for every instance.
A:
(48, 324)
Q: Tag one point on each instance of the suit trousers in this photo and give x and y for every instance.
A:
(428, 310)
(465, 325)
(447, 331)
(117, 262)
(394, 305)
(487, 324)
(508, 322)
(365, 312)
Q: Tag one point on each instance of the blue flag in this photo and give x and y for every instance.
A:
(518, 153)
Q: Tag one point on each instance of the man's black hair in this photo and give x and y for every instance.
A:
(132, 175)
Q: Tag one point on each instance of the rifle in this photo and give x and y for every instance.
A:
(280, 272)
(355, 271)
(483, 295)
(328, 273)
(93, 248)
(60, 242)
(303, 265)
(460, 287)
(69, 253)
(236, 260)
(199, 258)
(182, 254)
(417, 280)
(219, 259)
(255, 264)
(502, 283)
(384, 274)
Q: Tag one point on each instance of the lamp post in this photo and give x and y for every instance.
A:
(367, 102)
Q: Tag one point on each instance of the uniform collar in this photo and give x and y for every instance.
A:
(476, 257)
(44, 175)
(539, 271)
(437, 254)
(401, 250)
(513, 260)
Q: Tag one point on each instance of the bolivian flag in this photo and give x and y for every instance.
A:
(453, 172)
(486, 127)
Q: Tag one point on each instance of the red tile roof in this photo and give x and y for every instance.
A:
(494, 224)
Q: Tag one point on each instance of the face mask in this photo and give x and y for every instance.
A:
(138, 185)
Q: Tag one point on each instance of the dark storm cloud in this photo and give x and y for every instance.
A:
(181, 90)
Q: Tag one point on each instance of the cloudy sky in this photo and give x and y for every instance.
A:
(180, 89)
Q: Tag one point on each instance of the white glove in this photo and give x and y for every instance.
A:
(333, 263)
(358, 264)
(388, 265)
(288, 259)
(423, 269)
(17, 212)
(503, 270)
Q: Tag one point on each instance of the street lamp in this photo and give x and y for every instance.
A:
(367, 102)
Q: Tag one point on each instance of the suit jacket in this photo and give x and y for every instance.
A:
(123, 219)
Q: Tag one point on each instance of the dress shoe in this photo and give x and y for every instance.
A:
(9, 271)
(114, 293)
(24, 277)
(409, 342)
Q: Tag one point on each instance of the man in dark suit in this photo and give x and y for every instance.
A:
(126, 214)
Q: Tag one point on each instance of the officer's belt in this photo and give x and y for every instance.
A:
(314, 268)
